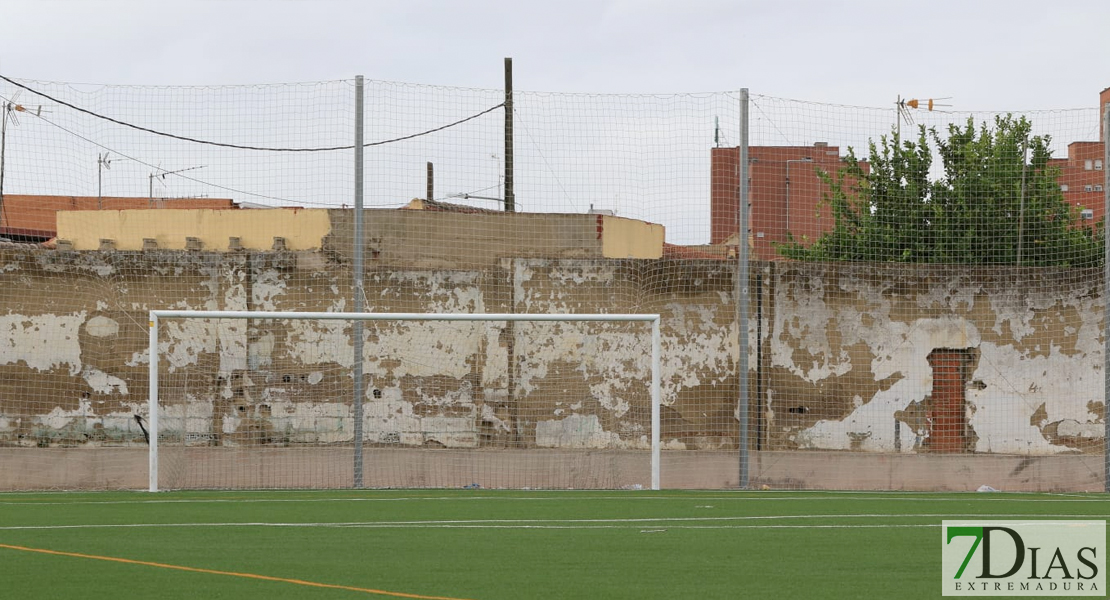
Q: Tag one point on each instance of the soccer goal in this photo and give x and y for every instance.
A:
(256, 399)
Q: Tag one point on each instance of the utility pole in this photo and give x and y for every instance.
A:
(431, 182)
(510, 194)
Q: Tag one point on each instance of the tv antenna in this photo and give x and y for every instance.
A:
(162, 179)
(906, 107)
(103, 163)
(717, 135)
(10, 108)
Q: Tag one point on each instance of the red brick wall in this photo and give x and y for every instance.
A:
(947, 413)
(786, 194)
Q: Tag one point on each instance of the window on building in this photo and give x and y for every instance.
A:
(1063, 187)
(1098, 188)
(1088, 188)
(1088, 164)
(1098, 165)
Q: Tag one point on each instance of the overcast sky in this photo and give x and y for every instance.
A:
(985, 54)
(642, 156)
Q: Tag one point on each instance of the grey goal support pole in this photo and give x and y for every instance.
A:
(152, 418)
(357, 283)
(742, 292)
(1106, 295)
(656, 354)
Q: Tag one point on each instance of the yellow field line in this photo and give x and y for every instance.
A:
(144, 563)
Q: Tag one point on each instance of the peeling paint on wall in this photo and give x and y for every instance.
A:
(103, 383)
(842, 363)
(42, 342)
(1039, 354)
(575, 431)
(870, 426)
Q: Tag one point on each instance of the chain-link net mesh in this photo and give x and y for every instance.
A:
(931, 300)
(924, 287)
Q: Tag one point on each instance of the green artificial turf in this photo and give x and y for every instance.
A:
(491, 545)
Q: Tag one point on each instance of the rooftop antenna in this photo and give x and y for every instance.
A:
(10, 107)
(905, 107)
(497, 158)
(500, 181)
(102, 162)
(719, 136)
(162, 176)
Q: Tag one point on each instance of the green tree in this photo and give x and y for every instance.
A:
(998, 201)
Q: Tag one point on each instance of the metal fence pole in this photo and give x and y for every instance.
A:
(357, 282)
(1106, 293)
(742, 286)
(152, 418)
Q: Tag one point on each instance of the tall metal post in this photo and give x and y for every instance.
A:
(357, 280)
(1106, 291)
(431, 183)
(656, 401)
(510, 194)
(510, 206)
(1021, 201)
(742, 285)
(152, 417)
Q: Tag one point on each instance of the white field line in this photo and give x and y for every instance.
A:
(536, 523)
(631, 527)
(555, 497)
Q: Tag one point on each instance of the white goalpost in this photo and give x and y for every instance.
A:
(277, 399)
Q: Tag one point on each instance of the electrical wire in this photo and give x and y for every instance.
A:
(241, 146)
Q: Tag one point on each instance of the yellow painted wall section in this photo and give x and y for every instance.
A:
(303, 229)
(629, 238)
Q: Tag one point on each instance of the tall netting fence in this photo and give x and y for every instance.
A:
(929, 291)
(926, 314)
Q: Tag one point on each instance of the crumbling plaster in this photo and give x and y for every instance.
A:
(1036, 387)
(842, 357)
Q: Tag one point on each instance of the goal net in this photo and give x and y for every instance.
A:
(388, 400)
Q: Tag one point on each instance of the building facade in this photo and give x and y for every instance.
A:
(787, 191)
(786, 194)
(1083, 173)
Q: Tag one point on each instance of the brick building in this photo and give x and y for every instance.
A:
(786, 192)
(1083, 172)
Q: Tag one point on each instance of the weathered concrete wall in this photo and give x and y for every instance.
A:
(448, 240)
(409, 237)
(846, 357)
(229, 383)
(169, 228)
(839, 355)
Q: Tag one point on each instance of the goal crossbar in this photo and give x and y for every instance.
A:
(157, 315)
